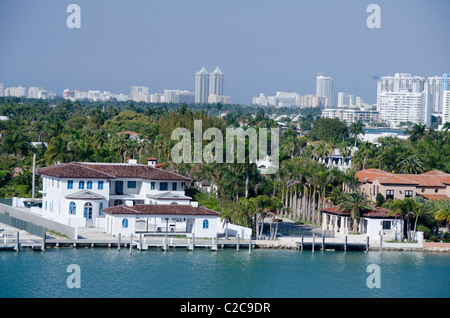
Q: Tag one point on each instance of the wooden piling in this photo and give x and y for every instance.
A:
(367, 246)
(301, 246)
(345, 244)
(119, 239)
(18, 242)
(131, 242)
(237, 245)
(250, 246)
(381, 243)
(313, 242)
(323, 243)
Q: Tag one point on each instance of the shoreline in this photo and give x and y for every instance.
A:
(94, 238)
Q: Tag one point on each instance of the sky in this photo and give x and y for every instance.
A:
(262, 46)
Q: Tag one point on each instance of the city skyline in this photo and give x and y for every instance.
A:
(263, 46)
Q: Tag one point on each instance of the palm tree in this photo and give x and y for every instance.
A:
(442, 211)
(416, 132)
(424, 207)
(405, 209)
(356, 129)
(57, 150)
(226, 214)
(411, 165)
(355, 203)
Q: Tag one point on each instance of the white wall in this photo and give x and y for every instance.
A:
(234, 230)
(374, 226)
(113, 225)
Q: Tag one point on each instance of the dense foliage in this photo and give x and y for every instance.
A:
(65, 131)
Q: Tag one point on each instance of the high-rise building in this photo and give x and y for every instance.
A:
(400, 82)
(17, 91)
(202, 86)
(37, 92)
(324, 88)
(138, 90)
(216, 82)
(345, 100)
(446, 107)
(405, 106)
(2, 89)
(445, 87)
(178, 96)
(435, 88)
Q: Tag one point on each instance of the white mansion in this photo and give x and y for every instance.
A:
(113, 196)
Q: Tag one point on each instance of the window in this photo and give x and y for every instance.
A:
(100, 185)
(174, 186)
(100, 208)
(125, 223)
(81, 185)
(408, 193)
(69, 184)
(88, 211)
(205, 224)
(163, 186)
(131, 184)
(386, 225)
(118, 202)
(389, 194)
(89, 185)
(152, 186)
(72, 208)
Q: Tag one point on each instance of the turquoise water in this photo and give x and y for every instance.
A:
(222, 274)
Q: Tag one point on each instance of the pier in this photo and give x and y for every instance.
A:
(13, 239)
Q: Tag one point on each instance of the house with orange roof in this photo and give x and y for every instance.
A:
(372, 223)
(433, 185)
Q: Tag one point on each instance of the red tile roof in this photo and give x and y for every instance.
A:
(109, 171)
(433, 178)
(377, 212)
(150, 209)
(435, 196)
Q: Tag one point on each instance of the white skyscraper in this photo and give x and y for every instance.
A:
(17, 91)
(435, 88)
(138, 90)
(202, 86)
(2, 89)
(345, 100)
(446, 107)
(324, 88)
(400, 82)
(405, 106)
(216, 82)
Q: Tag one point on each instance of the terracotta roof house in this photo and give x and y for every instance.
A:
(371, 222)
(114, 196)
(431, 185)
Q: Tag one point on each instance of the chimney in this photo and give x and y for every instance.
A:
(132, 161)
(129, 203)
(151, 162)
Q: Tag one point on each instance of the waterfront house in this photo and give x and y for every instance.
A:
(371, 222)
(431, 185)
(115, 196)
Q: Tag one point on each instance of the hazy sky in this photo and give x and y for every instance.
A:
(262, 46)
